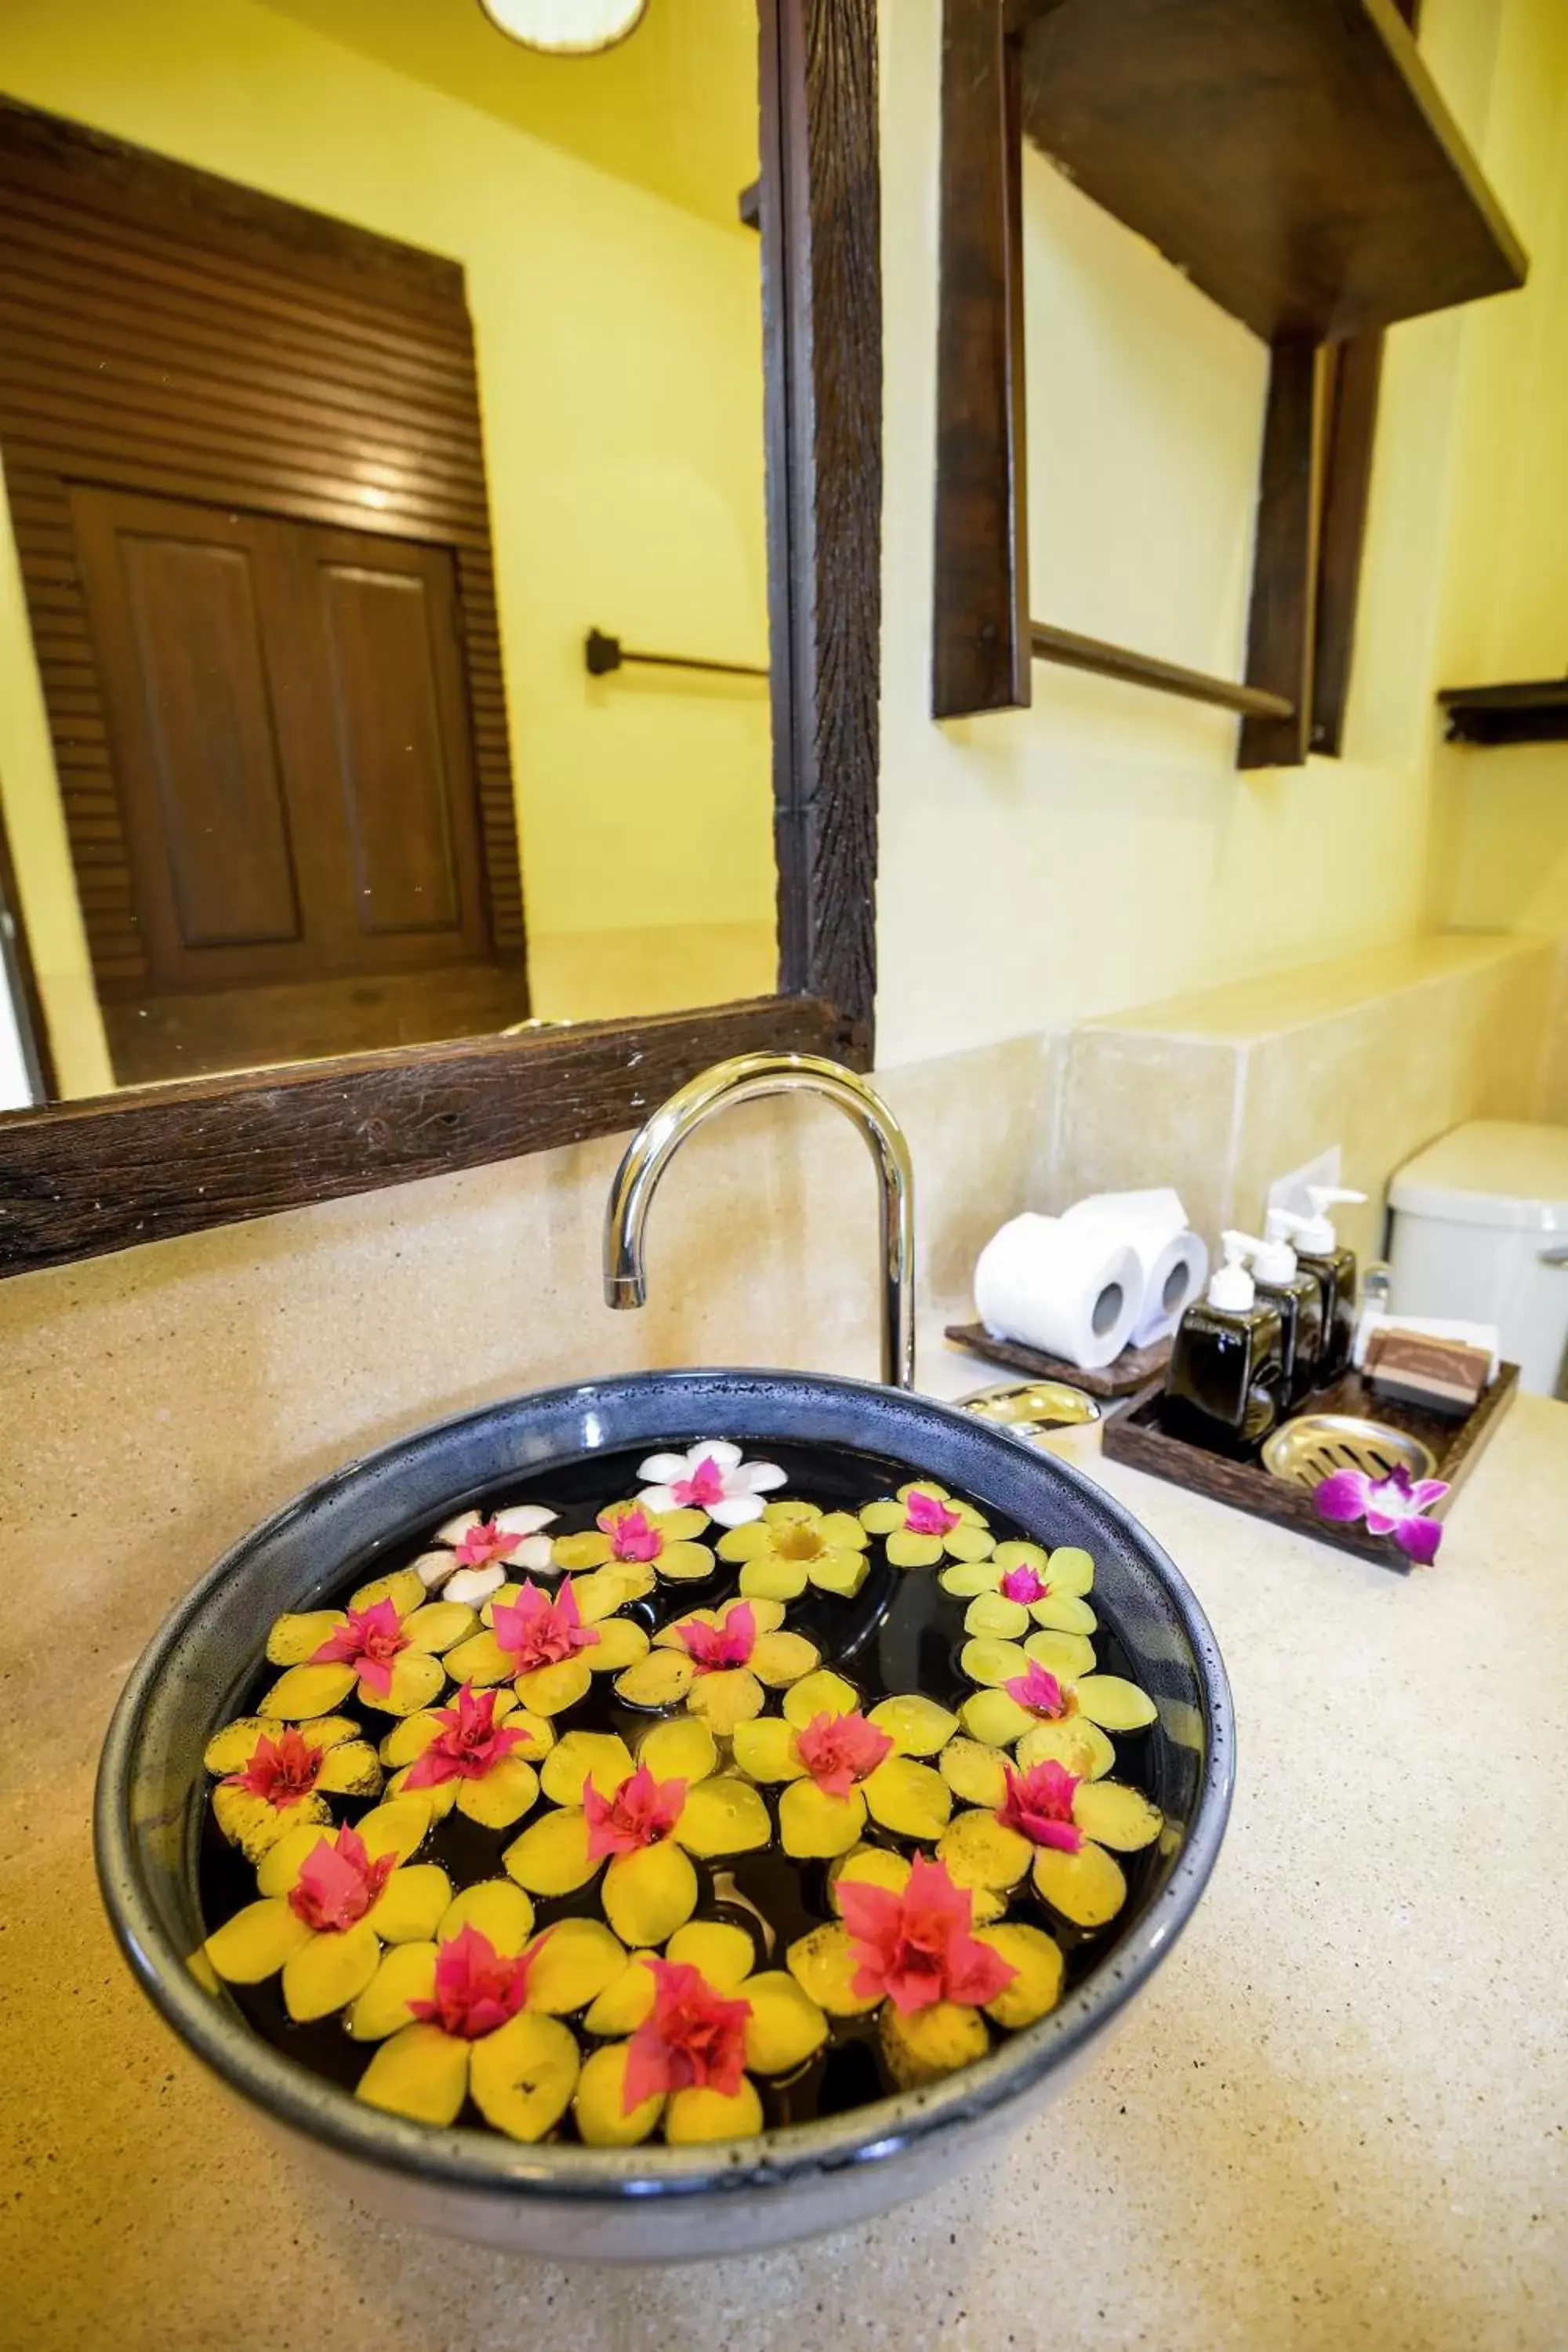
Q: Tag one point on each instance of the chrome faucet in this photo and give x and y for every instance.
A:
(743, 1079)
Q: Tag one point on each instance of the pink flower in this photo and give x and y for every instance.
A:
(337, 1883)
(477, 1988)
(1039, 1803)
(368, 1640)
(642, 1811)
(1396, 1506)
(485, 1543)
(535, 1631)
(916, 1948)
(632, 1534)
(714, 1648)
(282, 1770)
(469, 1744)
(1039, 1693)
(928, 1515)
(1023, 1584)
(692, 2038)
(840, 1749)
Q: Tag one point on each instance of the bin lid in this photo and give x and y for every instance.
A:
(1501, 1172)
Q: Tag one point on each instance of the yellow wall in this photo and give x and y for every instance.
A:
(1102, 848)
(620, 361)
(1500, 816)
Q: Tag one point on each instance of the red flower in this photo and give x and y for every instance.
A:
(632, 1534)
(840, 1749)
(916, 1948)
(1039, 1803)
(714, 1648)
(337, 1883)
(470, 1743)
(282, 1770)
(1038, 1693)
(477, 1988)
(1024, 1584)
(484, 1542)
(928, 1515)
(690, 2039)
(536, 1632)
(368, 1640)
(641, 1812)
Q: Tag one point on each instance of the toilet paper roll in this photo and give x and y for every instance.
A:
(1072, 1292)
(1174, 1262)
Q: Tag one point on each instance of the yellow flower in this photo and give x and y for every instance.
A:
(793, 1545)
(718, 1660)
(1063, 1831)
(643, 1820)
(479, 1754)
(330, 1900)
(1020, 1584)
(837, 1766)
(550, 1646)
(634, 1535)
(276, 1776)
(698, 2024)
(925, 1524)
(388, 1641)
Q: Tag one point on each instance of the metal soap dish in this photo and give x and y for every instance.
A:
(1311, 1448)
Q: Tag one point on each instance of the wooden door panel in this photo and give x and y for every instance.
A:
(178, 600)
(387, 725)
(393, 748)
(214, 761)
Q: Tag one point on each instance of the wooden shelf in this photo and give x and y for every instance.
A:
(1142, 669)
(1534, 712)
(1294, 157)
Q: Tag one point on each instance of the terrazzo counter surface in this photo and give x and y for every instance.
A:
(1337, 2117)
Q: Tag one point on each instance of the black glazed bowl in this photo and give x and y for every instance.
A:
(646, 2203)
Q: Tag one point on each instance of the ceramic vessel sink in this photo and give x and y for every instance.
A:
(647, 2202)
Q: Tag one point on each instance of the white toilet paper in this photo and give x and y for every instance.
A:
(1072, 1292)
(1172, 1261)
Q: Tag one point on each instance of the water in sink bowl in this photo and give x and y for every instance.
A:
(824, 1852)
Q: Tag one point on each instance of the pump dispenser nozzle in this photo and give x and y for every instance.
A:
(1315, 1234)
(1273, 1259)
(1231, 1287)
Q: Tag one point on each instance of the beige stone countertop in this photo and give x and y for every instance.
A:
(1336, 2118)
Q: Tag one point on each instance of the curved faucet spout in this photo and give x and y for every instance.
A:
(743, 1079)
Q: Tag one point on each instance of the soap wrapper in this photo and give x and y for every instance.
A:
(1071, 1291)
(1172, 1261)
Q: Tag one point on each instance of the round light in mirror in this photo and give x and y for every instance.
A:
(569, 27)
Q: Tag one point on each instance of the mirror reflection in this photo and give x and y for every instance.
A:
(383, 567)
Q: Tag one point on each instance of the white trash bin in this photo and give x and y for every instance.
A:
(1479, 1229)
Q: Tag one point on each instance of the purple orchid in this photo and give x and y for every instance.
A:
(1396, 1506)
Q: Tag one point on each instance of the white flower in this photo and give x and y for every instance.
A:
(712, 1478)
(479, 1554)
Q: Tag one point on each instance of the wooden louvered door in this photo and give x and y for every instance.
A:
(252, 370)
(286, 727)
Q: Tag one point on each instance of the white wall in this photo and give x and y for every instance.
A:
(1102, 849)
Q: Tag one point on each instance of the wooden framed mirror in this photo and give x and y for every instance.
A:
(265, 522)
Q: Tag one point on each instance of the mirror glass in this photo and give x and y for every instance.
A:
(383, 558)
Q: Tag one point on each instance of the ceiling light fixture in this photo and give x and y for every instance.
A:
(566, 27)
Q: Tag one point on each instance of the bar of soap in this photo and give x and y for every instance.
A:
(1443, 1375)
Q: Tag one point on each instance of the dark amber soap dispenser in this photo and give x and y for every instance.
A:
(1284, 1283)
(1319, 1252)
(1225, 1387)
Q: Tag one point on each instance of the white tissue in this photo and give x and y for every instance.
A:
(1172, 1261)
(1070, 1291)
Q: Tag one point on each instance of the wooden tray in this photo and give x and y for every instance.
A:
(1135, 1435)
(1134, 1368)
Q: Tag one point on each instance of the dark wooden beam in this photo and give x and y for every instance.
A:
(1282, 623)
(1353, 371)
(980, 650)
(1294, 157)
(90, 1176)
(1532, 712)
(822, 311)
(1142, 669)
